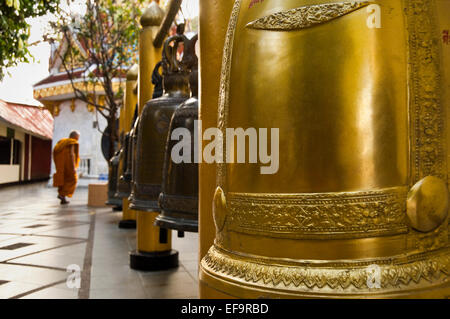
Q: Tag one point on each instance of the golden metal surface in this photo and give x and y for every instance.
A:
(130, 97)
(428, 145)
(428, 204)
(214, 13)
(339, 99)
(256, 277)
(305, 17)
(443, 15)
(148, 54)
(361, 118)
(309, 216)
(128, 214)
(153, 15)
(147, 238)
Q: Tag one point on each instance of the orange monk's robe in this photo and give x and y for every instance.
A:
(67, 159)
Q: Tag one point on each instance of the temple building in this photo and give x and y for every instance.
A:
(56, 93)
(25, 143)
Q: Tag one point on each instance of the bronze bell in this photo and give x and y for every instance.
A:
(179, 197)
(125, 175)
(113, 200)
(153, 129)
(157, 81)
(123, 188)
(130, 170)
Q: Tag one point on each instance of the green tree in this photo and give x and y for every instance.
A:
(103, 43)
(15, 30)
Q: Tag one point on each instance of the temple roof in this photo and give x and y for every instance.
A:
(59, 85)
(34, 120)
(58, 77)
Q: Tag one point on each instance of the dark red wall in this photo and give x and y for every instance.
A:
(41, 156)
(25, 176)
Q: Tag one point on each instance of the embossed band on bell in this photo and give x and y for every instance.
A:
(283, 278)
(178, 203)
(335, 215)
(307, 16)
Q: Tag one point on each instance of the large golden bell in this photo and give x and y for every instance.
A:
(359, 204)
(153, 129)
(179, 197)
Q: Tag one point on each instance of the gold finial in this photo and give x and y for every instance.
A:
(73, 105)
(153, 15)
(132, 74)
(56, 110)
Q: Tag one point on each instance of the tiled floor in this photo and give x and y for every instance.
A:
(39, 239)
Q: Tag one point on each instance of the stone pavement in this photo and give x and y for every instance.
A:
(39, 239)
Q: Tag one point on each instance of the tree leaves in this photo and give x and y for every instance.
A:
(14, 30)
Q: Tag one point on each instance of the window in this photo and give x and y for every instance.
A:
(10, 133)
(5, 151)
(85, 166)
(16, 152)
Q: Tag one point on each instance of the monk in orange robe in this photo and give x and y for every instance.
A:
(66, 158)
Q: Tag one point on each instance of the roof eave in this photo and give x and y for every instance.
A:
(17, 127)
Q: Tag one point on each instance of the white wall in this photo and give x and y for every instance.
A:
(12, 173)
(90, 139)
(9, 173)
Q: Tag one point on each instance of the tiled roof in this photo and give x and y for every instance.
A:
(60, 77)
(32, 119)
(76, 75)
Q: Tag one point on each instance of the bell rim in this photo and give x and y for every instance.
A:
(178, 224)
